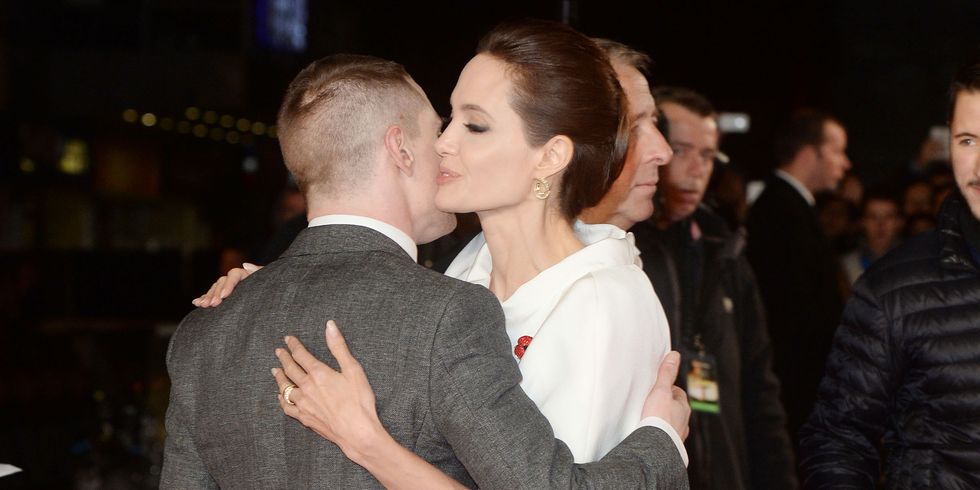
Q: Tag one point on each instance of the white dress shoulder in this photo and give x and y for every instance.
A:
(599, 334)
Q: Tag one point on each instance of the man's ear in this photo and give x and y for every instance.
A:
(396, 145)
(809, 154)
(556, 155)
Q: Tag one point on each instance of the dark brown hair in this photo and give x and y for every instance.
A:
(685, 98)
(967, 79)
(565, 85)
(336, 110)
(804, 128)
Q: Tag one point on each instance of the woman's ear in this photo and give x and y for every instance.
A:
(396, 145)
(556, 155)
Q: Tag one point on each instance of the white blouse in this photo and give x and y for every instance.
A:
(599, 334)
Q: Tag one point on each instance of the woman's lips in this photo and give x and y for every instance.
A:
(445, 176)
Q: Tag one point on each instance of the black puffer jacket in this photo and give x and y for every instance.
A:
(905, 371)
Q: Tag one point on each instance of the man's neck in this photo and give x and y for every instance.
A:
(384, 210)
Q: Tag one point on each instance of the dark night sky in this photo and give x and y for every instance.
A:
(882, 67)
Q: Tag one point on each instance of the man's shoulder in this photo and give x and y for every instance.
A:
(914, 262)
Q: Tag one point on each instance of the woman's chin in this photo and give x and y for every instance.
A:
(449, 204)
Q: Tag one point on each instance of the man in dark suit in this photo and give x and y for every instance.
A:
(699, 270)
(359, 136)
(793, 260)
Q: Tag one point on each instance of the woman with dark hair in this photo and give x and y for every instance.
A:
(539, 132)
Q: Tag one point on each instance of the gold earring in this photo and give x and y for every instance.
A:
(541, 188)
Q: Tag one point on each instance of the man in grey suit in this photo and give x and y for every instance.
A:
(359, 135)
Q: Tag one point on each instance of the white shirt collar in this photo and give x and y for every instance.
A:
(798, 186)
(400, 237)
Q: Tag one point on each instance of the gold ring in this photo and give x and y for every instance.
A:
(286, 391)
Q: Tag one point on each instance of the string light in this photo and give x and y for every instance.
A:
(209, 121)
(27, 165)
(149, 119)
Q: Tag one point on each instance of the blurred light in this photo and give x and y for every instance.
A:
(282, 24)
(258, 128)
(149, 119)
(200, 130)
(27, 165)
(183, 127)
(192, 113)
(734, 122)
(232, 137)
(272, 132)
(217, 134)
(130, 115)
(74, 161)
(250, 165)
(243, 125)
(210, 117)
(99, 395)
(166, 124)
(227, 121)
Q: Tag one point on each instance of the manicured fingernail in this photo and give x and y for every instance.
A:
(249, 267)
(273, 370)
(278, 352)
(332, 328)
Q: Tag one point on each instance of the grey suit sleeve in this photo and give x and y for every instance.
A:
(498, 433)
(183, 467)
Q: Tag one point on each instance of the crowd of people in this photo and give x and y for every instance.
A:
(819, 327)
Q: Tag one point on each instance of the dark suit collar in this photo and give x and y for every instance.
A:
(342, 238)
(784, 187)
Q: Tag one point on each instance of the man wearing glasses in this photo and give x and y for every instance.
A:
(738, 436)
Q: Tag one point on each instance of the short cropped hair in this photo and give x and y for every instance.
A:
(685, 98)
(967, 79)
(621, 53)
(805, 128)
(334, 115)
(565, 85)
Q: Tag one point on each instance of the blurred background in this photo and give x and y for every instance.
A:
(139, 160)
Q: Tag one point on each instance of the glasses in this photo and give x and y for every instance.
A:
(684, 151)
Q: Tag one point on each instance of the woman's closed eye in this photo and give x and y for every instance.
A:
(475, 128)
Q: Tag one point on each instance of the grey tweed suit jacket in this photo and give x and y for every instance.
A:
(434, 349)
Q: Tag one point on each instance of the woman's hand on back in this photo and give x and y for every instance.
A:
(340, 406)
(223, 287)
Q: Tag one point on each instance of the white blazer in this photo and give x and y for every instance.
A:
(599, 334)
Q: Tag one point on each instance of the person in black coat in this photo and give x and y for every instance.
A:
(793, 260)
(708, 291)
(903, 370)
